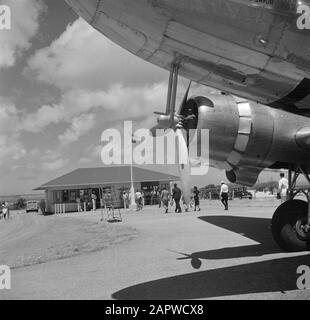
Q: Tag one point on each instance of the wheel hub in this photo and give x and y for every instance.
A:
(302, 230)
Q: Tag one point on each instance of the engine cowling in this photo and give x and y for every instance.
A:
(246, 137)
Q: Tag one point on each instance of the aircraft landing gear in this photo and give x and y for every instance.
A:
(290, 224)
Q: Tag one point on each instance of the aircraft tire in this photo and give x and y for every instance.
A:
(284, 226)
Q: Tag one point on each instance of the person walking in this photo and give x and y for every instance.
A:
(158, 197)
(196, 199)
(94, 200)
(5, 210)
(283, 187)
(176, 196)
(143, 199)
(125, 199)
(224, 194)
(165, 197)
(139, 200)
(153, 197)
(79, 207)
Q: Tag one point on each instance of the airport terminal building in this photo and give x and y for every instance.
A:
(61, 194)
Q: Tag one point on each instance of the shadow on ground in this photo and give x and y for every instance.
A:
(267, 276)
(256, 229)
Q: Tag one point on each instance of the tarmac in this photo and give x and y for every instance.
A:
(211, 254)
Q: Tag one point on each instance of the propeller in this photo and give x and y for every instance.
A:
(185, 98)
(184, 165)
(170, 118)
(184, 168)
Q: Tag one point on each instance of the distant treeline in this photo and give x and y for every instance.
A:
(271, 186)
(14, 198)
(265, 186)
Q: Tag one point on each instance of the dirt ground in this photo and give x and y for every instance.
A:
(212, 254)
(29, 239)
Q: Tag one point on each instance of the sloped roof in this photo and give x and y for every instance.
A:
(106, 175)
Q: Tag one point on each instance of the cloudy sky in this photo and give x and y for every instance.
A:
(61, 84)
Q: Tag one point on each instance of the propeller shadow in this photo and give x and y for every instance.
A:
(256, 229)
(274, 275)
(268, 276)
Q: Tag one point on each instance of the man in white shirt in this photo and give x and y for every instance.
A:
(283, 187)
(139, 200)
(224, 194)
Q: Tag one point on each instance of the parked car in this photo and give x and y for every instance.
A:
(245, 195)
(32, 206)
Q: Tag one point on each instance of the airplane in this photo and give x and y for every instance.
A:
(254, 49)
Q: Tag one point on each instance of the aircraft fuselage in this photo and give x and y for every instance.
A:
(250, 48)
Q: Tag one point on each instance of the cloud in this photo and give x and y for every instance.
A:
(85, 161)
(55, 165)
(117, 103)
(52, 160)
(50, 155)
(46, 115)
(95, 75)
(79, 127)
(92, 155)
(82, 58)
(8, 116)
(11, 149)
(36, 152)
(25, 24)
(94, 151)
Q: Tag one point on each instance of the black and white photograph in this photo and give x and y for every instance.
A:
(155, 150)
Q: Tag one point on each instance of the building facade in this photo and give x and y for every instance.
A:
(64, 193)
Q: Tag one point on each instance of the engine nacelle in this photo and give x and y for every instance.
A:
(247, 137)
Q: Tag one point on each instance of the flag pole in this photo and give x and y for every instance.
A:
(132, 189)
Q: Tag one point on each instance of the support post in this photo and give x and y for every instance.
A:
(176, 67)
(132, 189)
(290, 191)
(168, 106)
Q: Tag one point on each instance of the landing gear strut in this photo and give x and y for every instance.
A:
(169, 119)
(290, 224)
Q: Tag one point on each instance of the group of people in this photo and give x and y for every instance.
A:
(86, 205)
(161, 197)
(139, 199)
(195, 202)
(283, 188)
(176, 197)
(165, 198)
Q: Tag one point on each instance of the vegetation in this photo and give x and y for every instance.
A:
(266, 186)
(214, 189)
(20, 204)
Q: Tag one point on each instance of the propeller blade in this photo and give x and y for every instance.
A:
(184, 168)
(183, 104)
(154, 132)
